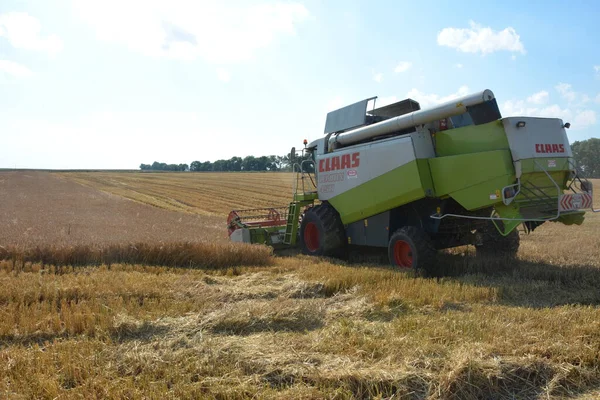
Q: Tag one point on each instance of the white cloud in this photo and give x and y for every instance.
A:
(24, 32)
(553, 111)
(15, 69)
(584, 119)
(522, 108)
(378, 77)
(403, 66)
(459, 65)
(181, 29)
(429, 100)
(478, 39)
(223, 75)
(538, 98)
(566, 91)
(581, 118)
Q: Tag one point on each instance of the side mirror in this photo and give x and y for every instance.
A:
(293, 155)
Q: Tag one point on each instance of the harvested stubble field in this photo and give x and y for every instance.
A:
(218, 325)
(206, 193)
(41, 208)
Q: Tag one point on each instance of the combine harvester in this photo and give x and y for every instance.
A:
(415, 181)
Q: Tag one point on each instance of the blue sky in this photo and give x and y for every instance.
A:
(112, 84)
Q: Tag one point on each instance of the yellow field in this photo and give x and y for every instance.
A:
(217, 193)
(296, 327)
(206, 193)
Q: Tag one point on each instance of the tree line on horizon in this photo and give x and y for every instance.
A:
(587, 156)
(585, 152)
(249, 163)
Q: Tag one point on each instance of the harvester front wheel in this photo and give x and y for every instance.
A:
(322, 232)
(411, 249)
(493, 244)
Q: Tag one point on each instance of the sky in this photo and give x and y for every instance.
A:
(116, 83)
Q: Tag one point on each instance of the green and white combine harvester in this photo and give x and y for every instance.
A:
(415, 181)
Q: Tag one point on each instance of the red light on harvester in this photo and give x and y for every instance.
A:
(305, 142)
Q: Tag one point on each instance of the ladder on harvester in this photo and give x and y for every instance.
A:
(291, 227)
(303, 196)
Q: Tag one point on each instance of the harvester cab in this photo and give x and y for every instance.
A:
(414, 181)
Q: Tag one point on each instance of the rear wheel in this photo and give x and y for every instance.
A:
(322, 232)
(411, 249)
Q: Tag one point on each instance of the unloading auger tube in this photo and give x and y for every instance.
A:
(448, 109)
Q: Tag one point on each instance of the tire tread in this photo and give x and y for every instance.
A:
(425, 249)
(333, 230)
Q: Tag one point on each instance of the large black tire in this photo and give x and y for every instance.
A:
(411, 249)
(322, 232)
(493, 244)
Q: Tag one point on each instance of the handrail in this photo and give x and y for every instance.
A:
(299, 170)
(578, 177)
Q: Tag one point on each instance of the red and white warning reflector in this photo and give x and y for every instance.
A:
(575, 201)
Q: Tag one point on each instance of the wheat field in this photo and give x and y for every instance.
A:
(89, 318)
(206, 193)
